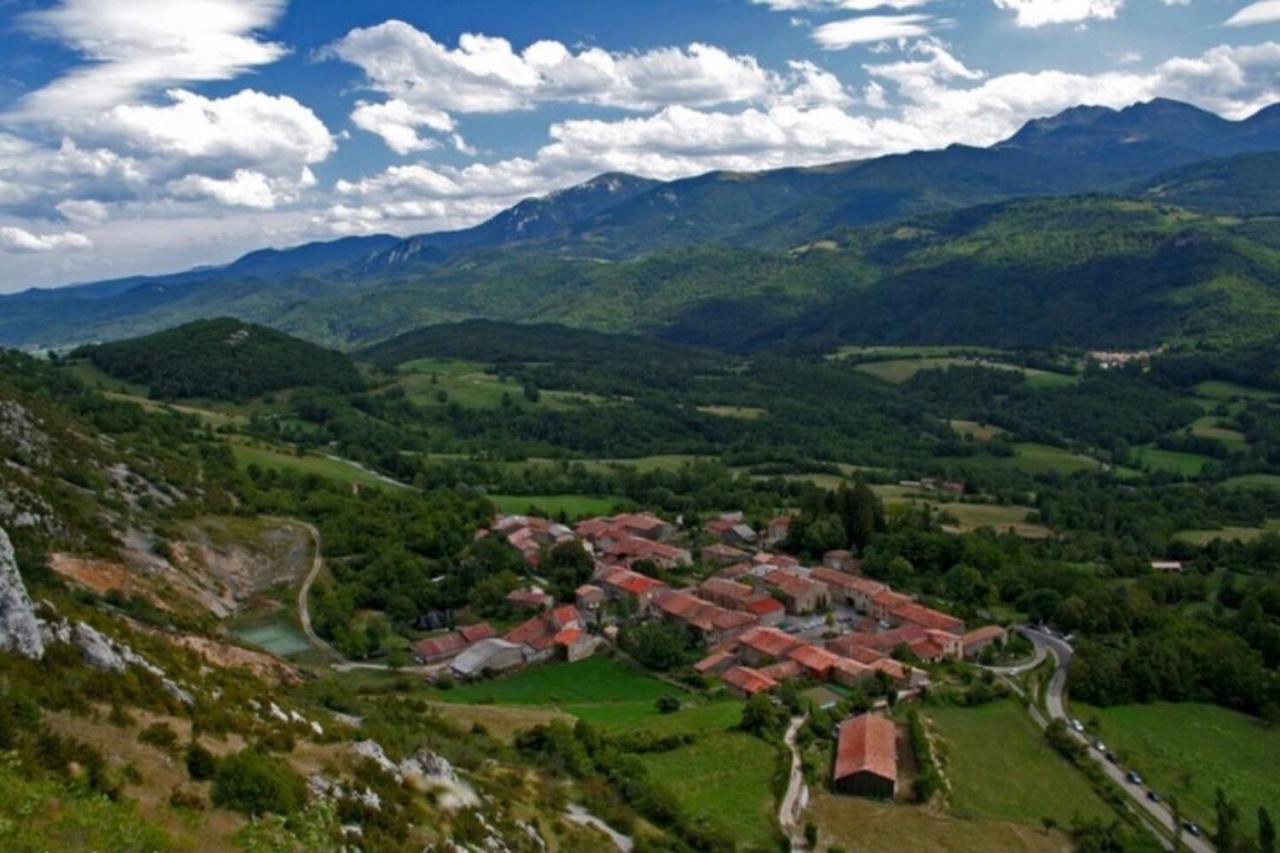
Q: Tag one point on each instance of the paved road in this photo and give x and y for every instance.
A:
(797, 795)
(1055, 703)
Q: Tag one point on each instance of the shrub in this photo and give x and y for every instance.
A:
(159, 735)
(254, 783)
(201, 764)
(667, 704)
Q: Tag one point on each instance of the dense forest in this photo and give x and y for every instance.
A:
(222, 359)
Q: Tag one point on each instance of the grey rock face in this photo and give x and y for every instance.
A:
(19, 628)
(97, 649)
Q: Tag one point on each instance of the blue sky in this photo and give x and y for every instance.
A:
(144, 136)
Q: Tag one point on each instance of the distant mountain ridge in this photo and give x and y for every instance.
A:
(536, 261)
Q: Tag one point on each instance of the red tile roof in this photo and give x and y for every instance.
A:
(851, 646)
(868, 744)
(983, 634)
(477, 632)
(893, 668)
(782, 670)
(565, 614)
(631, 582)
(712, 661)
(537, 633)
(927, 617)
(816, 661)
(749, 681)
(769, 641)
(442, 646)
(794, 585)
(731, 590)
(765, 606)
(853, 583)
(851, 668)
(568, 636)
(890, 600)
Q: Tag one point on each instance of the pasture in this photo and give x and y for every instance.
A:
(1189, 750)
(1170, 461)
(333, 469)
(573, 506)
(1228, 534)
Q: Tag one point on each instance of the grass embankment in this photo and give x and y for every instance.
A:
(1189, 750)
(333, 469)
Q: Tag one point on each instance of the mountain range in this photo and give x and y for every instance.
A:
(891, 248)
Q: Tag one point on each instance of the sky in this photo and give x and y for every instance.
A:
(150, 136)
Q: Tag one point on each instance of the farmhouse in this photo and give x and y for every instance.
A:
(713, 623)
(439, 649)
(866, 757)
(715, 663)
(850, 673)
(816, 662)
(540, 636)
(589, 598)
(532, 598)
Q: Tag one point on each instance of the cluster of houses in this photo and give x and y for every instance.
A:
(765, 619)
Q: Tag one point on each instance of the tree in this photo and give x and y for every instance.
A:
(201, 763)
(761, 717)
(1266, 832)
(657, 646)
(254, 783)
(1227, 836)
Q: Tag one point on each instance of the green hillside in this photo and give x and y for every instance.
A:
(222, 359)
(1245, 184)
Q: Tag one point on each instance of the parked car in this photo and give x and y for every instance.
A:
(1100, 746)
(1153, 796)
(1134, 777)
(1077, 725)
(1113, 758)
(1191, 828)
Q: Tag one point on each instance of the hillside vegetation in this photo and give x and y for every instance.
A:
(222, 359)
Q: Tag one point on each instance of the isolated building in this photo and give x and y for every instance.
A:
(866, 757)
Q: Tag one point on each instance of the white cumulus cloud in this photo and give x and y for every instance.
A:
(15, 239)
(837, 35)
(1040, 13)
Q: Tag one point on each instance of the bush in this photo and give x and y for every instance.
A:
(159, 735)
(667, 704)
(254, 783)
(201, 764)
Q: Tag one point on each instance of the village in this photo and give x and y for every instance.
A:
(762, 617)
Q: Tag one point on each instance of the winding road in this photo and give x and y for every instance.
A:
(797, 795)
(304, 594)
(1055, 704)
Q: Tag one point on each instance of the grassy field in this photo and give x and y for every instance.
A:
(1253, 481)
(868, 826)
(1188, 750)
(979, 432)
(746, 413)
(1022, 780)
(333, 469)
(724, 778)
(574, 506)
(911, 351)
(470, 385)
(902, 369)
(1038, 459)
(1207, 427)
(1172, 461)
(1228, 534)
(975, 516)
(591, 682)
